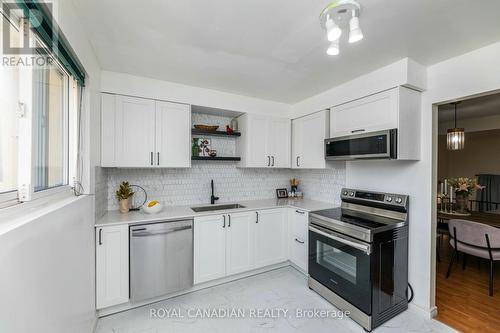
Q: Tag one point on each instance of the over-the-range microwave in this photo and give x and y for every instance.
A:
(374, 145)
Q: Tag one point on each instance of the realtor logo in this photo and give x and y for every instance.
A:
(18, 45)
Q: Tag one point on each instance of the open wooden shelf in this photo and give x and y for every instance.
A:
(217, 158)
(195, 131)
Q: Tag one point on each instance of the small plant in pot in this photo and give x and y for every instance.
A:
(123, 194)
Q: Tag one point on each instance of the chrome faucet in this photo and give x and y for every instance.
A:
(212, 197)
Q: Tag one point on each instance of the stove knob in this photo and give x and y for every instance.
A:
(388, 199)
(345, 193)
(399, 200)
(351, 194)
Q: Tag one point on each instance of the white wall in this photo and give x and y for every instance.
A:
(47, 263)
(47, 272)
(126, 84)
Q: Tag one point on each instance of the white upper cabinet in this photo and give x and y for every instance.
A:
(173, 135)
(308, 140)
(369, 114)
(398, 108)
(135, 132)
(139, 132)
(265, 141)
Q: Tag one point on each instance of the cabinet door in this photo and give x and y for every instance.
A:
(258, 146)
(135, 132)
(279, 142)
(369, 114)
(112, 270)
(209, 248)
(270, 237)
(239, 242)
(173, 135)
(298, 238)
(309, 134)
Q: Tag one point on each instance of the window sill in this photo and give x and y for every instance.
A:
(15, 216)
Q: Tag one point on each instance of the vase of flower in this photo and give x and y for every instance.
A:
(462, 203)
(464, 187)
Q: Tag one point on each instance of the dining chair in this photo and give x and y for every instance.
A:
(476, 239)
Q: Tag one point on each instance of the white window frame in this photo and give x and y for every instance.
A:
(26, 133)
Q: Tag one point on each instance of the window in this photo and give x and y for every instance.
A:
(38, 125)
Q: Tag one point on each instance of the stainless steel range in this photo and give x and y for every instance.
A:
(358, 255)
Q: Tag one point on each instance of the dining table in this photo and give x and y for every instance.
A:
(492, 219)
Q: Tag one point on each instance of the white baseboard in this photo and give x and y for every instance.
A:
(428, 313)
(127, 306)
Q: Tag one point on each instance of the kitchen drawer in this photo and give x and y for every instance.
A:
(298, 252)
(299, 223)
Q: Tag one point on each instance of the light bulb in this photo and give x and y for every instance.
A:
(333, 49)
(355, 33)
(333, 31)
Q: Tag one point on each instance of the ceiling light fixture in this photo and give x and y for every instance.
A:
(355, 33)
(333, 31)
(337, 15)
(455, 138)
(333, 49)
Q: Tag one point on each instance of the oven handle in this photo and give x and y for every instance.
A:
(366, 248)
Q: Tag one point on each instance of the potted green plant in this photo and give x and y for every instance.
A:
(123, 194)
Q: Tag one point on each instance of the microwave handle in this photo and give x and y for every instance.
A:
(363, 247)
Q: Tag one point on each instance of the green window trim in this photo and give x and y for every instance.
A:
(50, 33)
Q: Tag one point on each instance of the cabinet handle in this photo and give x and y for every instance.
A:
(100, 236)
(300, 212)
(224, 225)
(273, 159)
(357, 131)
(298, 241)
(151, 158)
(298, 161)
(257, 220)
(269, 161)
(229, 225)
(158, 158)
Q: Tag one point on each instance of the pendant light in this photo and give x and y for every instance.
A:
(455, 138)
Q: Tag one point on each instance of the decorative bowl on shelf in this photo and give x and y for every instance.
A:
(152, 207)
(208, 128)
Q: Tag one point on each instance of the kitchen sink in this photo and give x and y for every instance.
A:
(216, 207)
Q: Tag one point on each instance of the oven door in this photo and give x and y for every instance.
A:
(342, 264)
(376, 145)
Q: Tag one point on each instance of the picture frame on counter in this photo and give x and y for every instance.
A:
(282, 193)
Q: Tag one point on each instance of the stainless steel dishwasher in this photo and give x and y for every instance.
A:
(161, 259)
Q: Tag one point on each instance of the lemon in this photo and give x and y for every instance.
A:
(152, 203)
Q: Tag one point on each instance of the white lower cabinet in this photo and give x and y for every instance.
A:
(112, 266)
(209, 248)
(298, 238)
(229, 244)
(239, 242)
(270, 237)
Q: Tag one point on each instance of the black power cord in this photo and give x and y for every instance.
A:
(412, 294)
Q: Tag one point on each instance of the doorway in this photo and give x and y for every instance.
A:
(467, 143)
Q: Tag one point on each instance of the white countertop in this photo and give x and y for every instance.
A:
(185, 212)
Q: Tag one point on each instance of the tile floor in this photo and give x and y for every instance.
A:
(284, 289)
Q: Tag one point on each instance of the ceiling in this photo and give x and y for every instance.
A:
(276, 49)
(472, 108)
